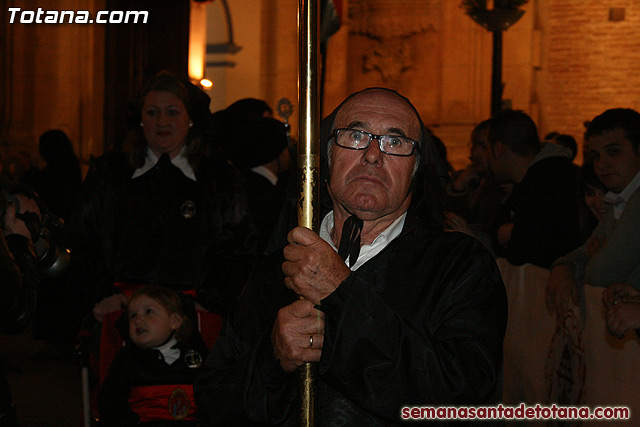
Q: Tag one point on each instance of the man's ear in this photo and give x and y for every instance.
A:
(176, 321)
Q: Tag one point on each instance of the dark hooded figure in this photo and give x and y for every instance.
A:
(257, 144)
(58, 187)
(261, 153)
(396, 312)
(58, 184)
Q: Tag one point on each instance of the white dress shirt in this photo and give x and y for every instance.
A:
(169, 353)
(619, 200)
(366, 251)
(266, 173)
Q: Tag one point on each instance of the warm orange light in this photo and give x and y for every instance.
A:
(197, 40)
(206, 83)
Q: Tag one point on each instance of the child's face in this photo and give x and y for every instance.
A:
(594, 198)
(615, 160)
(150, 324)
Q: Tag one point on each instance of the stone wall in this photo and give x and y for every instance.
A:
(52, 78)
(564, 62)
(433, 53)
(589, 63)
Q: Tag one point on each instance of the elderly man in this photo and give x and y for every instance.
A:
(417, 318)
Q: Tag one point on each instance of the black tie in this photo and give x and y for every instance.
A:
(163, 162)
(350, 239)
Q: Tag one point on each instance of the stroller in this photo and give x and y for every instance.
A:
(98, 346)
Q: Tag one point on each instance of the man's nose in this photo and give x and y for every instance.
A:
(600, 164)
(372, 153)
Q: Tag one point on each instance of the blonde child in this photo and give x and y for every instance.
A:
(150, 381)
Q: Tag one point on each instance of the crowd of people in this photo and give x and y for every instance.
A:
(402, 300)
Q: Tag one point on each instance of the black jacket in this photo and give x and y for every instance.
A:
(137, 367)
(265, 204)
(421, 323)
(18, 281)
(544, 208)
(162, 228)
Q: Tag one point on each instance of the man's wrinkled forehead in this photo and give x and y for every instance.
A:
(380, 106)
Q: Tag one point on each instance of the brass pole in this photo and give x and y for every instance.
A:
(308, 162)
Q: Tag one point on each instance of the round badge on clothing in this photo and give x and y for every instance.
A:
(193, 359)
(188, 209)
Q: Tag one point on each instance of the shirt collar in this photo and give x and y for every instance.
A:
(169, 350)
(619, 200)
(366, 251)
(266, 173)
(180, 161)
(623, 197)
(629, 189)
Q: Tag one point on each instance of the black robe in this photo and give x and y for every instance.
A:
(421, 323)
(137, 367)
(265, 203)
(162, 228)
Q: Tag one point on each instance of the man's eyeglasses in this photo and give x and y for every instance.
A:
(355, 139)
